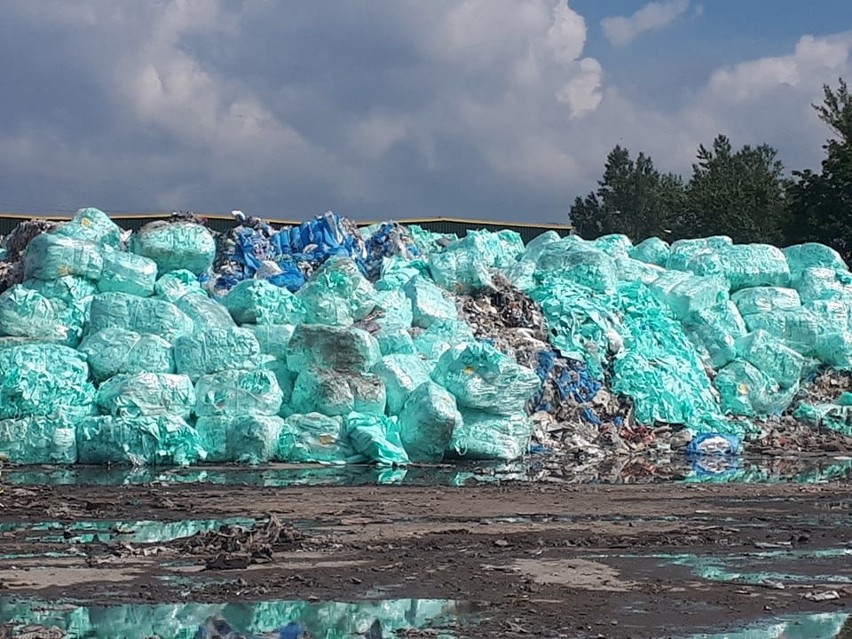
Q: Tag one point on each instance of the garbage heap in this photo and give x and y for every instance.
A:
(325, 343)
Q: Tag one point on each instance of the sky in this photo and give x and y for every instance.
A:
(381, 109)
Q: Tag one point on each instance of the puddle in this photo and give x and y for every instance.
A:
(324, 620)
(821, 626)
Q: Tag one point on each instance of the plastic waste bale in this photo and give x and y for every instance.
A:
(50, 256)
(139, 314)
(744, 265)
(685, 294)
(682, 251)
(466, 264)
(146, 395)
(483, 435)
(819, 284)
(394, 310)
(652, 251)
(175, 245)
(127, 273)
(238, 392)
(395, 342)
(483, 378)
(396, 272)
(401, 375)
(312, 437)
(377, 438)
(765, 299)
(441, 336)
(36, 440)
(429, 303)
(205, 312)
(345, 350)
(245, 439)
(215, 350)
(166, 440)
(333, 393)
(632, 270)
(285, 379)
(836, 416)
(716, 330)
(582, 264)
(174, 285)
(521, 275)
(337, 294)
(427, 422)
(747, 391)
(799, 328)
(259, 302)
(811, 254)
(44, 380)
(274, 339)
(92, 225)
(614, 244)
(834, 314)
(766, 353)
(72, 290)
(27, 313)
(536, 245)
(117, 351)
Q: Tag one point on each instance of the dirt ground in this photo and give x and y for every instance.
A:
(539, 560)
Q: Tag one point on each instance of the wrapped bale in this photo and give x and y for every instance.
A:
(441, 336)
(127, 273)
(164, 440)
(204, 312)
(44, 380)
(427, 422)
(36, 440)
(174, 285)
(812, 254)
(820, 284)
(377, 438)
(484, 435)
(245, 439)
(798, 329)
(765, 299)
(344, 350)
(27, 313)
(652, 251)
(285, 379)
(394, 310)
(147, 395)
(395, 341)
(536, 245)
(332, 393)
(259, 302)
(238, 392)
(117, 351)
(317, 438)
(72, 290)
(337, 294)
(747, 391)
(92, 225)
(428, 302)
(614, 244)
(396, 272)
(682, 251)
(631, 270)
(274, 339)
(772, 358)
(401, 375)
(483, 378)
(173, 246)
(744, 265)
(139, 314)
(578, 263)
(50, 256)
(686, 294)
(716, 330)
(215, 350)
(465, 265)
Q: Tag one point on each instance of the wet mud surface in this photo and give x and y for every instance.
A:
(498, 559)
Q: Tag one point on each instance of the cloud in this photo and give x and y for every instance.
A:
(622, 30)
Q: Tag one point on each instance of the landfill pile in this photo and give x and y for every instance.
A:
(327, 343)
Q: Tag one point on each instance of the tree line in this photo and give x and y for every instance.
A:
(742, 193)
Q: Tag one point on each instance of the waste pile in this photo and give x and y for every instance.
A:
(327, 343)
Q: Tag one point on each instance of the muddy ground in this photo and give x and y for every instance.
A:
(529, 559)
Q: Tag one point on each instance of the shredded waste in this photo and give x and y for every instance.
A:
(327, 343)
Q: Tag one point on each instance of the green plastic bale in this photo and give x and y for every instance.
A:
(394, 310)
(311, 437)
(44, 380)
(274, 339)
(466, 264)
(811, 254)
(259, 302)
(345, 350)
(772, 358)
(579, 263)
(166, 440)
(685, 294)
(428, 241)
(238, 392)
(429, 303)
(27, 313)
(427, 422)
(716, 330)
(38, 440)
(401, 375)
(836, 417)
(285, 378)
(337, 294)
(127, 273)
(631, 270)
(441, 336)
(744, 265)
(614, 244)
(174, 285)
(521, 275)
(205, 312)
(175, 246)
(536, 245)
(652, 251)
(50, 256)
(139, 314)
(483, 378)
(245, 439)
(215, 350)
(70, 289)
(377, 438)
(682, 251)
(747, 391)
(117, 351)
(798, 329)
(146, 395)
(834, 314)
(483, 435)
(395, 342)
(819, 284)
(765, 299)
(397, 271)
(332, 393)
(92, 225)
